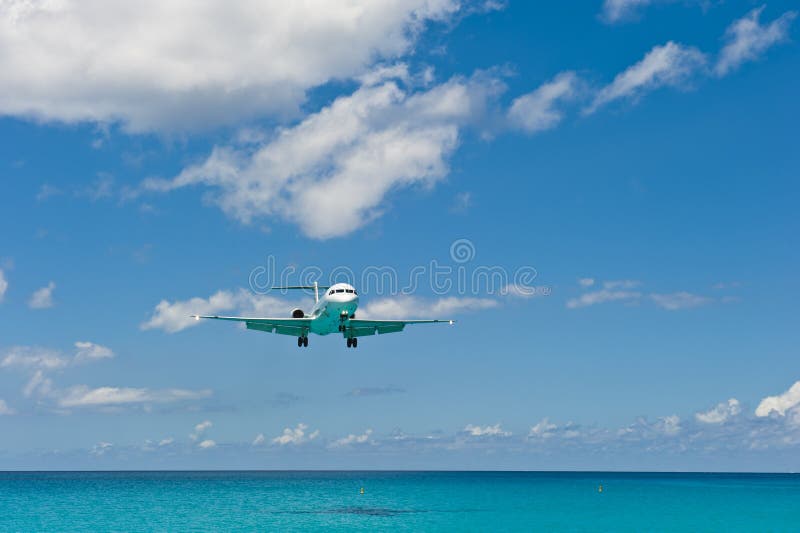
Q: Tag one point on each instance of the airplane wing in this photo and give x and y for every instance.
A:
(362, 328)
(296, 327)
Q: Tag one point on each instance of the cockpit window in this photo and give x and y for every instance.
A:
(332, 291)
(349, 290)
(339, 290)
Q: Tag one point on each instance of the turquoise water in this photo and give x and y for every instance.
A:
(397, 501)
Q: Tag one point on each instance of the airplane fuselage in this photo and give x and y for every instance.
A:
(337, 305)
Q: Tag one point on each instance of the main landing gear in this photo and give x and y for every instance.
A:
(352, 342)
(302, 341)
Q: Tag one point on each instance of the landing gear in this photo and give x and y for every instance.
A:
(352, 342)
(302, 341)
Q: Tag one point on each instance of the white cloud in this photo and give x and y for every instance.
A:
(200, 429)
(33, 357)
(166, 442)
(461, 202)
(720, 413)
(602, 296)
(746, 39)
(415, 307)
(340, 163)
(3, 285)
(89, 351)
(487, 431)
(42, 298)
(259, 440)
(780, 403)
(544, 429)
(668, 65)
(83, 396)
(679, 300)
(101, 448)
(5, 410)
(206, 444)
(352, 439)
(295, 436)
(176, 316)
(537, 110)
(586, 282)
(197, 65)
(669, 425)
(616, 10)
(38, 384)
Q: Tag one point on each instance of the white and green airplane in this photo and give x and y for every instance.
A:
(334, 312)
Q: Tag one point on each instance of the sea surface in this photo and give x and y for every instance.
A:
(397, 501)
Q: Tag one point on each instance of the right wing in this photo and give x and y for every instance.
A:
(296, 327)
(362, 328)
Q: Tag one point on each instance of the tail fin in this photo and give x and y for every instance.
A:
(315, 287)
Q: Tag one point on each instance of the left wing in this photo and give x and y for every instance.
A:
(296, 327)
(361, 328)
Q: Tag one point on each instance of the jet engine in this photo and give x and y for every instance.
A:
(298, 313)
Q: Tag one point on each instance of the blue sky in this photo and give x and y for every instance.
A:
(639, 156)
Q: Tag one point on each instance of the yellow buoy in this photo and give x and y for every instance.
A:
(362, 490)
(600, 488)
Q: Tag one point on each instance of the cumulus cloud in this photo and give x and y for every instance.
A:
(668, 65)
(200, 428)
(3, 285)
(295, 436)
(89, 351)
(83, 396)
(781, 403)
(720, 413)
(340, 162)
(166, 442)
(586, 282)
(679, 300)
(206, 444)
(34, 357)
(544, 429)
(486, 431)
(259, 440)
(42, 298)
(198, 64)
(37, 357)
(746, 39)
(415, 307)
(176, 316)
(538, 110)
(352, 439)
(5, 409)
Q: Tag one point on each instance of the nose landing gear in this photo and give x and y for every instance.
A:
(352, 342)
(302, 341)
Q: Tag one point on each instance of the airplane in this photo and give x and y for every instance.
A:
(334, 312)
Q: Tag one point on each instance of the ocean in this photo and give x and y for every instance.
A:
(397, 501)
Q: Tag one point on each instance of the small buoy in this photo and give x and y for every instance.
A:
(362, 490)
(600, 488)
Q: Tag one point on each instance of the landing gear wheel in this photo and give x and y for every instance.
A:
(299, 341)
(355, 342)
(350, 342)
(305, 342)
